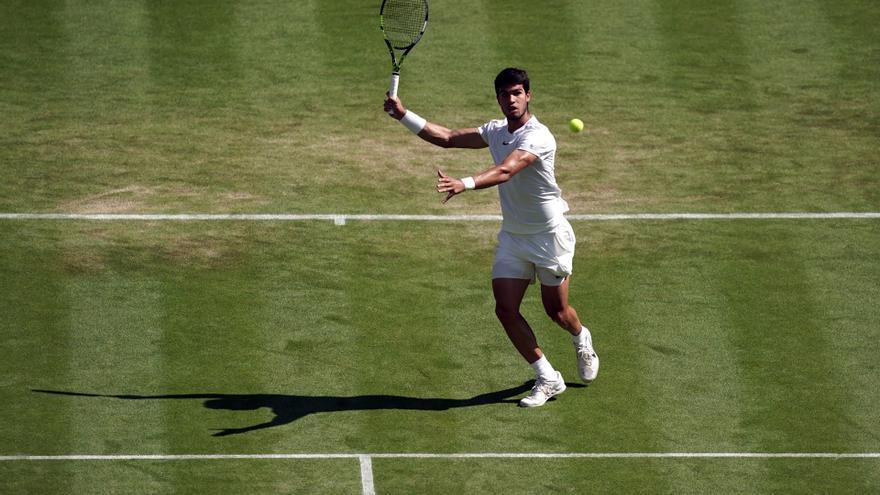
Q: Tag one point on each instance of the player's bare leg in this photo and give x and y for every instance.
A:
(509, 294)
(556, 305)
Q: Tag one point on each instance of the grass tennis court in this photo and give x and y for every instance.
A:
(302, 338)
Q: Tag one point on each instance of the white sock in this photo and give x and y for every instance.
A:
(543, 368)
(584, 336)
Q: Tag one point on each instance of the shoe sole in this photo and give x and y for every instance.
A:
(520, 403)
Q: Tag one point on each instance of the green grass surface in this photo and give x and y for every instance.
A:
(689, 106)
(155, 337)
(715, 337)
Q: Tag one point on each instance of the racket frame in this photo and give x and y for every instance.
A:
(395, 62)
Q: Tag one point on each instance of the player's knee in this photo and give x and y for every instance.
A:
(555, 314)
(506, 313)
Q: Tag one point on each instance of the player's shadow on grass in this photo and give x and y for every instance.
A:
(289, 408)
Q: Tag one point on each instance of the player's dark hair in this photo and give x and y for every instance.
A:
(510, 76)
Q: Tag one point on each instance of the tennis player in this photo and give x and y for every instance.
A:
(535, 241)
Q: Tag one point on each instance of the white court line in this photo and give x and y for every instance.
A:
(367, 486)
(473, 455)
(638, 455)
(341, 219)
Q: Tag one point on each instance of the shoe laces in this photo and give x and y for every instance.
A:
(586, 352)
(543, 386)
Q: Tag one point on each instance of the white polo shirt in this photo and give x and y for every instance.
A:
(531, 201)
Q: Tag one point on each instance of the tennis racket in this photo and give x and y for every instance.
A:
(403, 23)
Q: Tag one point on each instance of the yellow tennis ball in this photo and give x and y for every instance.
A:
(576, 125)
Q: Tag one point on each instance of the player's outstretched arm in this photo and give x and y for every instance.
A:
(433, 133)
(492, 176)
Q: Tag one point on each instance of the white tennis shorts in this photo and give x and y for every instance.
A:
(547, 256)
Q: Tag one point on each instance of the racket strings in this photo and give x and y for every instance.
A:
(402, 21)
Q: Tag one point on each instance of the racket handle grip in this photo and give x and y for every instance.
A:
(395, 83)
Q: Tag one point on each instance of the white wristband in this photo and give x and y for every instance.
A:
(413, 122)
(469, 183)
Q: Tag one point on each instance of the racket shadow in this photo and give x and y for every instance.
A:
(290, 408)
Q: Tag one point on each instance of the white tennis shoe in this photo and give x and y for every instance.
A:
(587, 360)
(543, 390)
